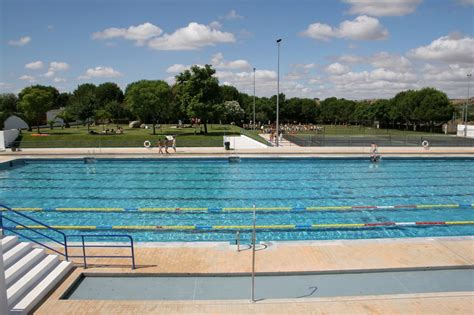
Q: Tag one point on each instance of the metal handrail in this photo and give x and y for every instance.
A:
(64, 237)
(84, 246)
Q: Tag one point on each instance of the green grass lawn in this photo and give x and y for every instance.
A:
(77, 136)
(132, 137)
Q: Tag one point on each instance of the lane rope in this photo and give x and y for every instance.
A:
(245, 209)
(249, 227)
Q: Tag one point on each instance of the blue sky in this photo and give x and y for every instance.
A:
(349, 48)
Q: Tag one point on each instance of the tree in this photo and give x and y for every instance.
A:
(34, 104)
(107, 92)
(116, 111)
(66, 116)
(229, 93)
(434, 107)
(103, 116)
(149, 100)
(63, 99)
(83, 103)
(198, 93)
(231, 111)
(51, 89)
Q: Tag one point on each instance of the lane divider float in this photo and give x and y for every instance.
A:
(249, 209)
(249, 227)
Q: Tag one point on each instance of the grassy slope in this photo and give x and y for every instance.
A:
(186, 137)
(78, 137)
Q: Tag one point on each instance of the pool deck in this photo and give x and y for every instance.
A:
(283, 257)
(189, 152)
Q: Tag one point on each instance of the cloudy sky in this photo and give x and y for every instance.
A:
(346, 48)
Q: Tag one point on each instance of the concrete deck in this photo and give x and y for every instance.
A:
(202, 152)
(284, 257)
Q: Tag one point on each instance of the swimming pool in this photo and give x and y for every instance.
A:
(210, 199)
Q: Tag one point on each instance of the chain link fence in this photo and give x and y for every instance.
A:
(306, 140)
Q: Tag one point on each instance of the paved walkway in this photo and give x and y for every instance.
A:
(284, 257)
(203, 151)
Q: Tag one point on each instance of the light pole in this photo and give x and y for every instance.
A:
(278, 97)
(253, 253)
(253, 98)
(469, 75)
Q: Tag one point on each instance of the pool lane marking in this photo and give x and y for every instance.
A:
(172, 209)
(249, 227)
(259, 209)
(247, 209)
(90, 209)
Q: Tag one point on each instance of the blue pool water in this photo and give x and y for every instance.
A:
(216, 184)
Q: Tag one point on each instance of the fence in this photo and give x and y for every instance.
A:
(381, 140)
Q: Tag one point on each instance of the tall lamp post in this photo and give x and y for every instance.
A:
(278, 97)
(469, 75)
(253, 99)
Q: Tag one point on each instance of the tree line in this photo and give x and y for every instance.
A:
(196, 94)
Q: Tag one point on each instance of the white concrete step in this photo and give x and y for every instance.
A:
(23, 264)
(35, 295)
(15, 253)
(8, 242)
(36, 273)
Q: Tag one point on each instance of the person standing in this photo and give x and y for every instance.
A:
(160, 145)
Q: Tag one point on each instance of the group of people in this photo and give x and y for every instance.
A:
(296, 128)
(108, 131)
(166, 144)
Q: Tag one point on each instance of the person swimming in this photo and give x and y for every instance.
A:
(375, 157)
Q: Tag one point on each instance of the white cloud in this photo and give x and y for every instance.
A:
(219, 63)
(243, 81)
(305, 66)
(58, 80)
(319, 31)
(49, 74)
(100, 72)
(361, 28)
(5, 86)
(376, 83)
(58, 66)
(215, 24)
(20, 42)
(28, 78)
(451, 49)
(35, 65)
(389, 61)
(337, 69)
(446, 74)
(316, 80)
(351, 59)
(54, 67)
(139, 33)
(191, 37)
(232, 15)
(382, 7)
(177, 68)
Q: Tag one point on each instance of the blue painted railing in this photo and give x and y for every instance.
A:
(60, 238)
(84, 246)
